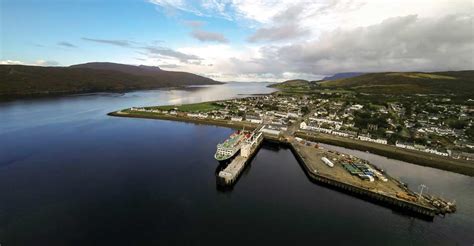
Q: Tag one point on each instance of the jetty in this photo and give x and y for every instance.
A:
(340, 171)
(350, 175)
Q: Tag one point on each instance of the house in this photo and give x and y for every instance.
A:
(356, 107)
(292, 115)
(340, 134)
(254, 119)
(193, 115)
(303, 125)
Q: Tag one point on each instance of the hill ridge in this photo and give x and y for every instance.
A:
(23, 80)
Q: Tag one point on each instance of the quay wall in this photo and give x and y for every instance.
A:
(411, 156)
(425, 212)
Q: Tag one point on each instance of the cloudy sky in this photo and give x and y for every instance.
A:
(243, 40)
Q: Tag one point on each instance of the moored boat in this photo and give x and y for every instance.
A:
(231, 146)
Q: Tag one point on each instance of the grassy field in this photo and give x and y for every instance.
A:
(191, 108)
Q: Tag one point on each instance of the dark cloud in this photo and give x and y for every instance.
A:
(168, 66)
(152, 51)
(286, 26)
(122, 43)
(67, 44)
(194, 23)
(205, 36)
(405, 43)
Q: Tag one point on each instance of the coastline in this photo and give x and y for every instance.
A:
(411, 156)
(414, 157)
(64, 93)
(384, 193)
(224, 123)
(423, 211)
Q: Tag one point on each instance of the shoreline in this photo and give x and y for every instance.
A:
(413, 157)
(224, 123)
(388, 193)
(422, 211)
(57, 94)
(410, 156)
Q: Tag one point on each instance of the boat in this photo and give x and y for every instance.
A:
(231, 146)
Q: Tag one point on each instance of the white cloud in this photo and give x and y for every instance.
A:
(36, 63)
(10, 62)
(309, 38)
(407, 43)
(46, 63)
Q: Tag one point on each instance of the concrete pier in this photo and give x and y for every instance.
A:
(385, 195)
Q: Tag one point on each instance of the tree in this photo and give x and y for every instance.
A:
(305, 109)
(457, 124)
(470, 133)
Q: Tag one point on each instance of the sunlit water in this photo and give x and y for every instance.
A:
(71, 175)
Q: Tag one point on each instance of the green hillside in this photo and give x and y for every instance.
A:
(18, 80)
(296, 84)
(458, 82)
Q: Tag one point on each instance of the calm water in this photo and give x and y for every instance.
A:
(70, 175)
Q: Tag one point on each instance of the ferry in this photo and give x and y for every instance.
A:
(231, 146)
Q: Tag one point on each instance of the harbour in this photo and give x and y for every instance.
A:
(130, 177)
(318, 166)
(351, 175)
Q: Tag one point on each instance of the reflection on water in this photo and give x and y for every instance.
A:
(29, 113)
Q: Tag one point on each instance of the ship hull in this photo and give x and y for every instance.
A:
(226, 158)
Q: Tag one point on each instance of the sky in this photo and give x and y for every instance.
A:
(242, 40)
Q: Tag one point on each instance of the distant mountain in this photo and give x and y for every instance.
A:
(19, 80)
(458, 82)
(342, 76)
(136, 70)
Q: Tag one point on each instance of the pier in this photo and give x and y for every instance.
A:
(318, 165)
(391, 192)
(231, 173)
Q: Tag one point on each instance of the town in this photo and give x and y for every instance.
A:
(438, 126)
(292, 120)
